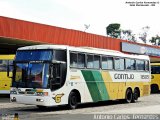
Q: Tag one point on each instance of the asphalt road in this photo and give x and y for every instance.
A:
(145, 105)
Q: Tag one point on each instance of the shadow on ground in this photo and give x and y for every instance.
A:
(65, 107)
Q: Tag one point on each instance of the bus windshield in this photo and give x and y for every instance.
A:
(31, 68)
(155, 69)
(33, 55)
(31, 75)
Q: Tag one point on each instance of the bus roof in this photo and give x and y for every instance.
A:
(45, 46)
(84, 49)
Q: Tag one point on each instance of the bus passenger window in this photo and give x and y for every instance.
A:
(107, 63)
(110, 62)
(133, 67)
(130, 64)
(89, 61)
(73, 60)
(3, 65)
(96, 62)
(104, 63)
(140, 65)
(119, 63)
(81, 60)
(116, 63)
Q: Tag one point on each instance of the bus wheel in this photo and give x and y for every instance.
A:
(135, 95)
(129, 96)
(73, 100)
(154, 88)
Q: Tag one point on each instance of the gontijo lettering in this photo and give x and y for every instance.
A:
(123, 76)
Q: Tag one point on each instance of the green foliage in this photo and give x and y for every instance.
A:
(113, 30)
(128, 35)
(155, 40)
(128, 32)
(144, 34)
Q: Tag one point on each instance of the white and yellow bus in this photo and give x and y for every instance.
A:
(51, 75)
(155, 79)
(5, 82)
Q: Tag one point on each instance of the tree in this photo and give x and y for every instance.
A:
(113, 30)
(128, 35)
(155, 40)
(143, 35)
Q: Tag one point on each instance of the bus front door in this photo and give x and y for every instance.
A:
(55, 76)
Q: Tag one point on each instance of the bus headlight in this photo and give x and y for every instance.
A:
(13, 99)
(39, 100)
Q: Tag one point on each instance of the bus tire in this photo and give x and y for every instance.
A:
(73, 100)
(136, 94)
(129, 96)
(154, 88)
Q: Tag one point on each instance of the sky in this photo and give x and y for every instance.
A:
(73, 14)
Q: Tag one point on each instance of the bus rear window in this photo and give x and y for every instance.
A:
(155, 69)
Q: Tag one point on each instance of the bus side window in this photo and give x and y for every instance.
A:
(110, 62)
(81, 60)
(140, 65)
(96, 62)
(104, 62)
(10, 63)
(130, 64)
(89, 61)
(3, 65)
(133, 64)
(73, 59)
(119, 63)
(107, 62)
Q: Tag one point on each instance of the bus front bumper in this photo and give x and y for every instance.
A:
(33, 100)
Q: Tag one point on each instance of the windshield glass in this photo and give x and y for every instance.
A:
(31, 68)
(31, 75)
(33, 55)
(155, 69)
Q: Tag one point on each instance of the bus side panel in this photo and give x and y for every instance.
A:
(121, 90)
(77, 78)
(156, 80)
(115, 89)
(5, 83)
(96, 85)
